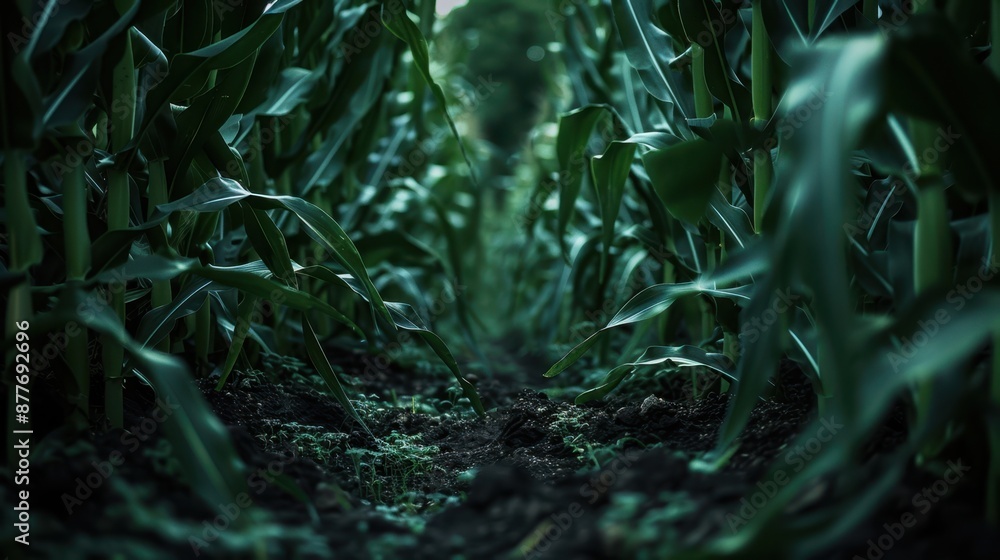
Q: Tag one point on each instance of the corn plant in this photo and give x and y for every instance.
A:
(816, 109)
(184, 163)
(192, 188)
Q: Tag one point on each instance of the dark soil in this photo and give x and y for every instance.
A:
(534, 478)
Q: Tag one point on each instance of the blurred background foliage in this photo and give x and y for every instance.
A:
(507, 42)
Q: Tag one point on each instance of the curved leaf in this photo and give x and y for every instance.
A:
(325, 370)
(645, 305)
(292, 90)
(650, 51)
(575, 129)
(684, 356)
(406, 318)
(200, 441)
(685, 176)
(610, 172)
(241, 328)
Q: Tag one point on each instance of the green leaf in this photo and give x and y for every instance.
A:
(188, 71)
(406, 318)
(730, 220)
(292, 89)
(706, 25)
(607, 385)
(788, 23)
(200, 441)
(207, 113)
(650, 51)
(221, 192)
(684, 356)
(252, 278)
(685, 176)
(269, 243)
(809, 192)
(647, 304)
(325, 230)
(356, 93)
(50, 23)
(758, 361)
(266, 288)
(73, 94)
(325, 370)
(575, 129)
(213, 196)
(157, 323)
(932, 76)
(242, 327)
(269, 63)
(610, 172)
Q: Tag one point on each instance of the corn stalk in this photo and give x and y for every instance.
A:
(161, 292)
(25, 250)
(122, 124)
(933, 260)
(763, 167)
(77, 239)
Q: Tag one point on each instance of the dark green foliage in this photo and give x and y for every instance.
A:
(198, 189)
(202, 145)
(859, 107)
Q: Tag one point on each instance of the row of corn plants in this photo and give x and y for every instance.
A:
(808, 181)
(197, 179)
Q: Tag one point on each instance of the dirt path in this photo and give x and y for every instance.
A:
(536, 477)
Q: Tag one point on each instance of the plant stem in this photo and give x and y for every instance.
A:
(932, 258)
(123, 122)
(258, 177)
(24, 240)
(702, 96)
(283, 181)
(763, 172)
(25, 250)
(932, 247)
(761, 69)
(77, 239)
(730, 340)
(161, 293)
(203, 332)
